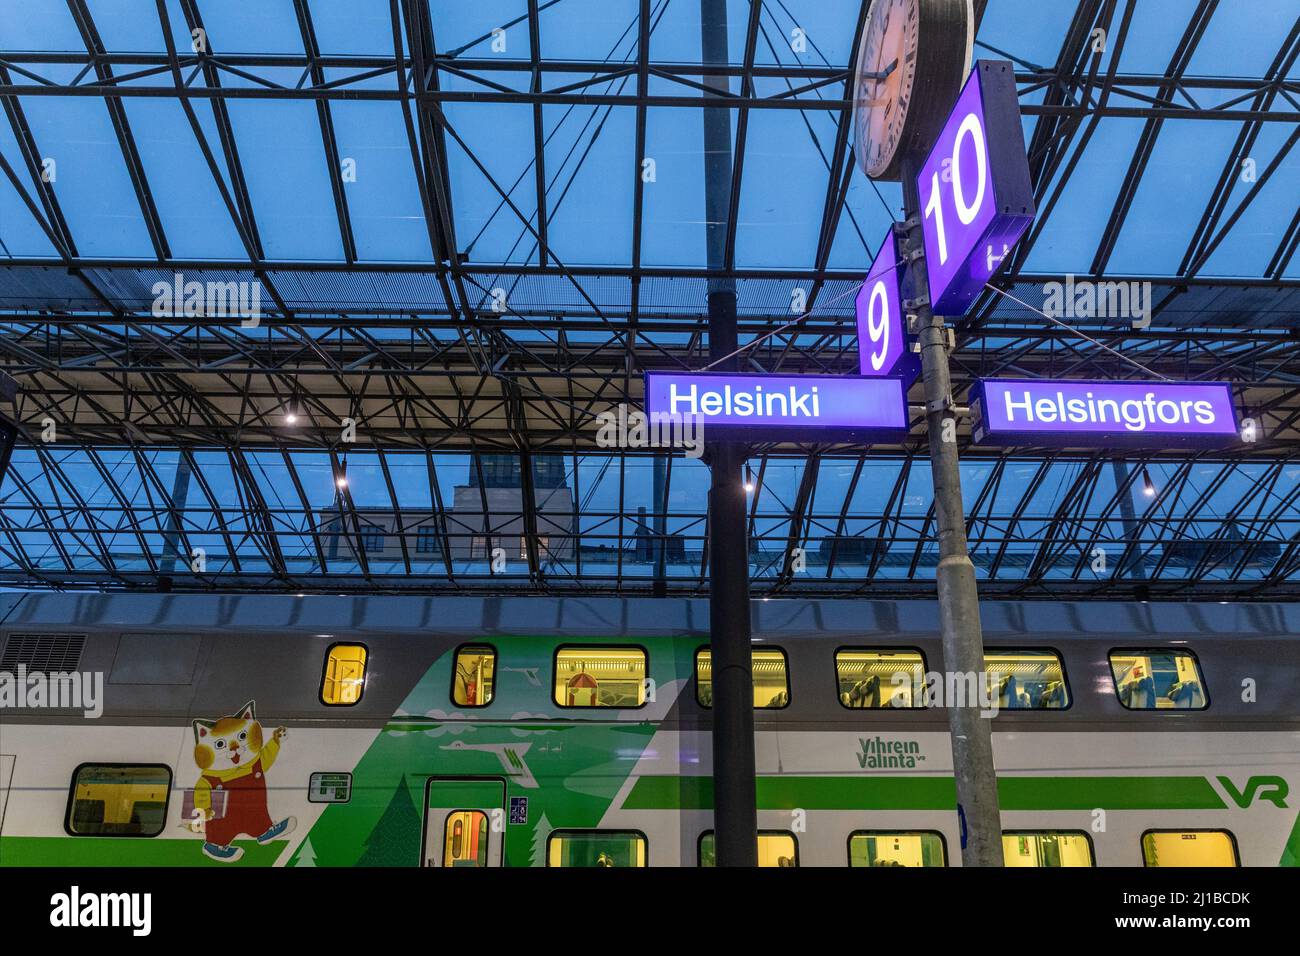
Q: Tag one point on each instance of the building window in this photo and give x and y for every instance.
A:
(913, 848)
(543, 548)
(1028, 680)
(465, 838)
(775, 848)
(475, 671)
(600, 676)
(1189, 848)
(372, 537)
(1158, 680)
(1046, 849)
(345, 674)
(426, 540)
(771, 678)
(600, 848)
(482, 546)
(118, 800)
(880, 678)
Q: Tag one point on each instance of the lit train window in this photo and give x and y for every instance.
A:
(915, 848)
(1044, 848)
(775, 848)
(118, 800)
(879, 678)
(1158, 680)
(1028, 680)
(771, 679)
(1189, 848)
(345, 674)
(465, 838)
(598, 848)
(475, 672)
(600, 676)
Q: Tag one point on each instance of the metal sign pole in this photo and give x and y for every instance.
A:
(959, 618)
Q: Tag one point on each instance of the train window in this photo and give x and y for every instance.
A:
(1189, 848)
(913, 848)
(600, 676)
(118, 800)
(880, 678)
(1046, 848)
(465, 838)
(345, 674)
(474, 677)
(1028, 680)
(775, 848)
(600, 848)
(771, 678)
(1158, 680)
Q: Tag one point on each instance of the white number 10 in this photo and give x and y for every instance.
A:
(966, 212)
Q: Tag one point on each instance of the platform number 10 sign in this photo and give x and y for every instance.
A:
(974, 188)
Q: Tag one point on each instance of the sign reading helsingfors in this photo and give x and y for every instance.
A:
(1154, 414)
(781, 404)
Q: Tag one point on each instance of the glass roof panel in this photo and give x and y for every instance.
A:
(89, 175)
(288, 181)
(383, 197)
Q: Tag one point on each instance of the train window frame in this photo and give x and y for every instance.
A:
(112, 765)
(1065, 678)
(324, 672)
(446, 822)
(1030, 831)
(785, 657)
(565, 831)
(762, 831)
(496, 660)
(925, 669)
(943, 841)
(1232, 840)
(555, 670)
(1196, 661)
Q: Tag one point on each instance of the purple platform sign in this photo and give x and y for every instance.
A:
(1101, 414)
(780, 405)
(974, 189)
(880, 313)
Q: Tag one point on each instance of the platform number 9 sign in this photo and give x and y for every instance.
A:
(879, 312)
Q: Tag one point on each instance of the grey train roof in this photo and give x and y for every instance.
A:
(579, 617)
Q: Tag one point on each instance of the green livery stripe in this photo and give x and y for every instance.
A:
(123, 851)
(935, 793)
(1291, 853)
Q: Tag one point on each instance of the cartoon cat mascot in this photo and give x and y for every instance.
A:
(233, 759)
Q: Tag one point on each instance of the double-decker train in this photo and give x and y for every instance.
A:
(260, 730)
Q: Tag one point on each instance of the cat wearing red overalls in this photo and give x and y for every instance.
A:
(233, 760)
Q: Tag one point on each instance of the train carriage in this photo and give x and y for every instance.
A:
(403, 731)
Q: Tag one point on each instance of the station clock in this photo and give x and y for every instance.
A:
(911, 62)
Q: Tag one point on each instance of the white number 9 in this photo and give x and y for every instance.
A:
(878, 323)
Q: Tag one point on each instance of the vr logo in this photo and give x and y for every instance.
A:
(1275, 793)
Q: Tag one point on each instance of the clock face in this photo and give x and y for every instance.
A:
(912, 60)
(889, 45)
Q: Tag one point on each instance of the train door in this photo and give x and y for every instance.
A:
(464, 821)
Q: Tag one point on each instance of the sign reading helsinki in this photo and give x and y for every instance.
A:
(776, 402)
(1158, 414)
